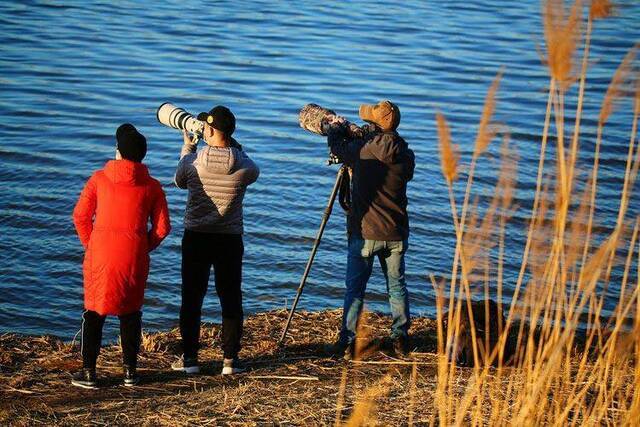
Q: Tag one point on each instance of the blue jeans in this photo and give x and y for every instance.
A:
(359, 265)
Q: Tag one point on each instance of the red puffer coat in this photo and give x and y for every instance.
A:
(123, 197)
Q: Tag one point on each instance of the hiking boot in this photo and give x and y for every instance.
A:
(131, 377)
(85, 379)
(340, 349)
(349, 352)
(401, 347)
(188, 365)
(232, 366)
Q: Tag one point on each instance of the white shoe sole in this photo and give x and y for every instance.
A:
(86, 386)
(188, 370)
(131, 384)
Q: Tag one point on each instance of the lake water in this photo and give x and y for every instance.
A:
(72, 71)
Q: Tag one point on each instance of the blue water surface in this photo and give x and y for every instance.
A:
(72, 71)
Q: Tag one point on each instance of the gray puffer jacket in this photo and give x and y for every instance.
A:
(217, 179)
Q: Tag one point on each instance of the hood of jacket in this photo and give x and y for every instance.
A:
(219, 160)
(387, 147)
(126, 172)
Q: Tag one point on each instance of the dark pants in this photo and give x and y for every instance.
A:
(130, 335)
(201, 251)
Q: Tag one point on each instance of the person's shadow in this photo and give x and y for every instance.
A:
(205, 205)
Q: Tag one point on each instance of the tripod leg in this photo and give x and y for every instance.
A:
(307, 269)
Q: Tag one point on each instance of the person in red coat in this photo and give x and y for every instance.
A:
(111, 218)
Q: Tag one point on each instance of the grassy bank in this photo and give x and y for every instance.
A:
(298, 384)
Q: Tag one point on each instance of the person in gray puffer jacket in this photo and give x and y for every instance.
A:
(217, 177)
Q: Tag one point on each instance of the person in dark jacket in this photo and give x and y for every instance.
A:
(378, 225)
(111, 218)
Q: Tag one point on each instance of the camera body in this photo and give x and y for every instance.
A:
(177, 118)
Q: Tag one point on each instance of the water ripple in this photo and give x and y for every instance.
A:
(80, 69)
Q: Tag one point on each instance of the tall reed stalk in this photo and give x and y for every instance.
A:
(583, 388)
(545, 368)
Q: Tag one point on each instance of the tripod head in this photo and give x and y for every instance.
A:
(333, 159)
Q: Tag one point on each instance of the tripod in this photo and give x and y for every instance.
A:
(327, 212)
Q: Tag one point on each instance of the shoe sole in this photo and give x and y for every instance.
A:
(85, 386)
(188, 370)
(231, 371)
(130, 383)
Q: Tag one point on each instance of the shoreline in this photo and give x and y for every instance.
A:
(299, 383)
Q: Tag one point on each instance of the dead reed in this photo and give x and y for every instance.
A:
(560, 282)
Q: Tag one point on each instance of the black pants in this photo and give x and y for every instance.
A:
(201, 251)
(130, 335)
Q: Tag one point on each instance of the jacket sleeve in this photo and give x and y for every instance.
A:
(182, 171)
(341, 145)
(160, 222)
(411, 164)
(248, 172)
(84, 211)
(188, 149)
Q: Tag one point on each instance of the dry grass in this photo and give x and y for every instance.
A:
(448, 152)
(562, 282)
(562, 33)
(486, 131)
(299, 384)
(621, 84)
(600, 9)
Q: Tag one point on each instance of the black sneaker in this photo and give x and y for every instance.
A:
(85, 379)
(131, 377)
(340, 349)
(401, 347)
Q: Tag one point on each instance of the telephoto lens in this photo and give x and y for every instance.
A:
(313, 117)
(177, 118)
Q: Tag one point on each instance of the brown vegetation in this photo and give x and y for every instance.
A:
(299, 384)
(564, 275)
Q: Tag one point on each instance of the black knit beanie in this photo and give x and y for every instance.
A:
(131, 143)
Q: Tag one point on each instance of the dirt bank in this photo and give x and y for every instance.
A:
(297, 384)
